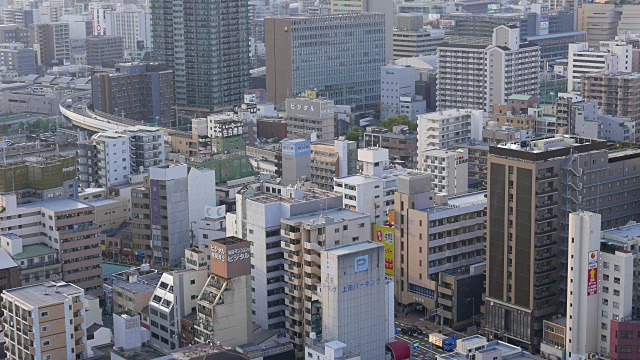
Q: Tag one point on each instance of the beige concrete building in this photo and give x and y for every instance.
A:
(304, 239)
(44, 321)
(600, 21)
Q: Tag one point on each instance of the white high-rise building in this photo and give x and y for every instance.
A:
(613, 57)
(445, 129)
(449, 170)
(600, 286)
(130, 23)
(480, 76)
(398, 92)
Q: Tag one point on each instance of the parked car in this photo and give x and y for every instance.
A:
(416, 330)
(407, 331)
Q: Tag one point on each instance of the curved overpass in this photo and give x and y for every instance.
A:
(80, 115)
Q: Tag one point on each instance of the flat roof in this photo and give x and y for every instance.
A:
(309, 194)
(62, 204)
(357, 179)
(625, 232)
(29, 251)
(34, 295)
(319, 217)
(351, 248)
(100, 202)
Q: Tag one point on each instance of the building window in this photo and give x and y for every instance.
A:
(46, 343)
(46, 357)
(44, 314)
(45, 328)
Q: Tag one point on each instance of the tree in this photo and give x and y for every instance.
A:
(355, 134)
(400, 119)
(5, 129)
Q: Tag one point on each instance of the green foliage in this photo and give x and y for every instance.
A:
(5, 129)
(401, 119)
(355, 134)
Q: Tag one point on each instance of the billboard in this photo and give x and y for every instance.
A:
(310, 108)
(215, 212)
(447, 23)
(592, 273)
(230, 257)
(385, 235)
(493, 8)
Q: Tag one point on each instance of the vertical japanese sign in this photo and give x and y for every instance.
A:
(384, 235)
(592, 276)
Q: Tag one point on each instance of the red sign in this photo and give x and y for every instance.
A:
(592, 283)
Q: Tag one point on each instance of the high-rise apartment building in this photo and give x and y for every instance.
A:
(314, 232)
(207, 45)
(142, 92)
(103, 48)
(52, 43)
(335, 74)
(583, 60)
(160, 215)
(15, 57)
(480, 76)
(427, 230)
(45, 321)
(329, 161)
(449, 170)
(532, 189)
(107, 159)
(130, 23)
(626, 103)
(445, 129)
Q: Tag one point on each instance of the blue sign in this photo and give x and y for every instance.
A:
(362, 263)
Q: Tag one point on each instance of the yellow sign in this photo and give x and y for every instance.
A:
(391, 217)
(385, 235)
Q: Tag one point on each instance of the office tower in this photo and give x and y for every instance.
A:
(398, 92)
(506, 68)
(52, 43)
(336, 74)
(45, 321)
(311, 119)
(174, 297)
(532, 189)
(12, 33)
(130, 23)
(296, 160)
(371, 6)
(331, 160)
(103, 48)
(142, 92)
(411, 39)
(160, 213)
(223, 312)
(16, 58)
(600, 21)
(353, 287)
(600, 287)
(448, 169)
(207, 45)
(445, 129)
(583, 60)
(598, 86)
(107, 159)
(425, 231)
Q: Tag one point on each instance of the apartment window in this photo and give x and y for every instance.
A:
(46, 357)
(603, 338)
(626, 334)
(616, 268)
(605, 290)
(605, 302)
(46, 343)
(605, 265)
(623, 349)
(616, 292)
(605, 314)
(605, 277)
(44, 314)
(616, 305)
(361, 225)
(193, 281)
(45, 328)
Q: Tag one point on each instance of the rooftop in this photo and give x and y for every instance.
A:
(309, 195)
(62, 204)
(351, 248)
(477, 199)
(30, 251)
(145, 352)
(446, 114)
(45, 293)
(323, 217)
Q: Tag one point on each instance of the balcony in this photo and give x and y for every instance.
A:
(291, 234)
(292, 245)
(546, 217)
(544, 296)
(544, 283)
(545, 270)
(545, 256)
(78, 320)
(546, 176)
(77, 306)
(546, 204)
(545, 231)
(546, 191)
(544, 244)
